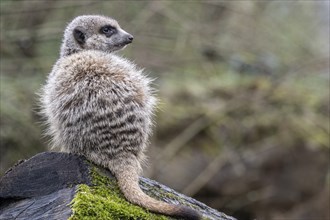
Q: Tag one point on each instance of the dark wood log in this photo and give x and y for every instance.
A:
(43, 186)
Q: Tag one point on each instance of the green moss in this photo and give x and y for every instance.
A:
(104, 200)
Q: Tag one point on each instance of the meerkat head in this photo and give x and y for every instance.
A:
(94, 32)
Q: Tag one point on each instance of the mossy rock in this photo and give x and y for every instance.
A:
(66, 186)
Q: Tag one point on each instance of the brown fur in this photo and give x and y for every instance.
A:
(100, 105)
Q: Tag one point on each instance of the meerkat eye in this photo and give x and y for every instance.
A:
(108, 30)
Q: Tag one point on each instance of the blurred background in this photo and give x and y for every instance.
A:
(243, 119)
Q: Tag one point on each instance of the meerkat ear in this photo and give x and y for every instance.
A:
(79, 35)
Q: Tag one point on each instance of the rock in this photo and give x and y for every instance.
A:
(54, 185)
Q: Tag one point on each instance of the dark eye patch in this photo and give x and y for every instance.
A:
(108, 30)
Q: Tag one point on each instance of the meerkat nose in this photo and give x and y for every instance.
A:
(130, 38)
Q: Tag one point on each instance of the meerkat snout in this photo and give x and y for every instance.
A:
(129, 38)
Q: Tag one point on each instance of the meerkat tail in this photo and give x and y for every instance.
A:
(128, 181)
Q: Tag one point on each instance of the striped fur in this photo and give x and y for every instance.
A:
(100, 105)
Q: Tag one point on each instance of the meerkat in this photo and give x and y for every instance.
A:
(100, 105)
